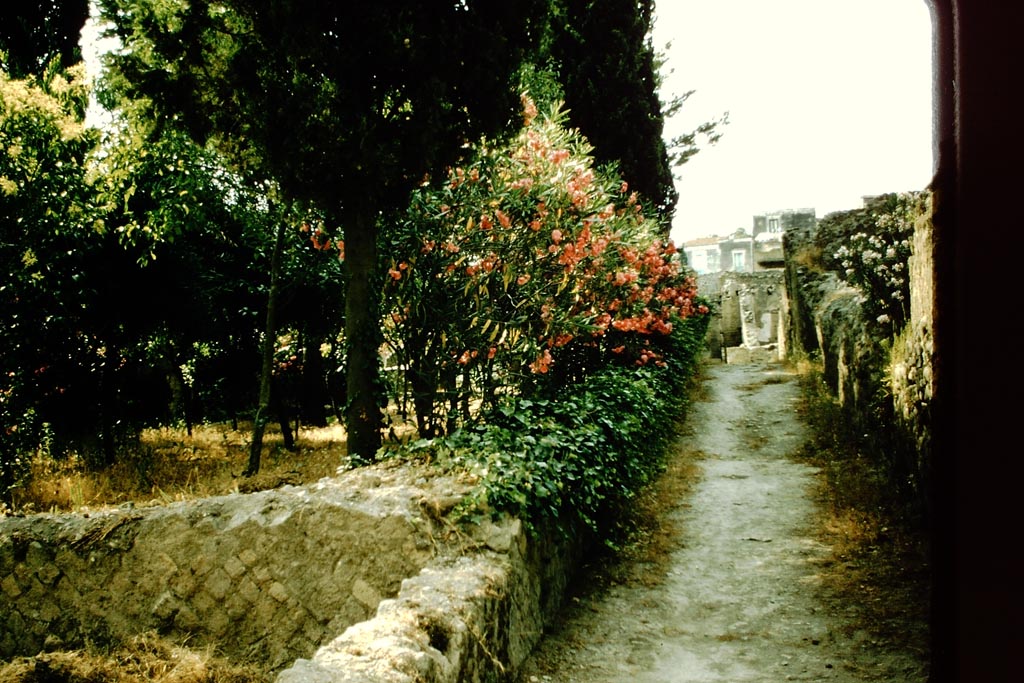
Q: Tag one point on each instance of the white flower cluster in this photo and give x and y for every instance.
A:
(876, 263)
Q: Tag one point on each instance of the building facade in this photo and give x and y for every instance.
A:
(748, 252)
(742, 276)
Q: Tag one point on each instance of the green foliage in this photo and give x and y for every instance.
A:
(525, 271)
(869, 248)
(45, 211)
(611, 75)
(345, 106)
(35, 35)
(581, 455)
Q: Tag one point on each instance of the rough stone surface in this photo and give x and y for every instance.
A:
(747, 312)
(266, 576)
(476, 617)
(868, 374)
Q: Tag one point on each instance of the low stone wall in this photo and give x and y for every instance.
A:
(364, 567)
(266, 576)
(474, 618)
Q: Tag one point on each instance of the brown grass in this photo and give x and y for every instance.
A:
(143, 658)
(168, 465)
(879, 558)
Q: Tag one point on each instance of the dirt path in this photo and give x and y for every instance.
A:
(738, 596)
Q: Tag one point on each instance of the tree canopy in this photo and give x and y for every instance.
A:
(33, 34)
(346, 106)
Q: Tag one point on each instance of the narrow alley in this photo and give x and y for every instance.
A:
(740, 598)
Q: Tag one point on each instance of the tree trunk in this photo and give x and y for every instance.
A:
(267, 365)
(363, 417)
(313, 396)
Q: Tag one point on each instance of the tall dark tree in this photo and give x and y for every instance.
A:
(604, 55)
(344, 105)
(34, 32)
(609, 71)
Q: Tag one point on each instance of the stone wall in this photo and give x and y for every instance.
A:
(747, 314)
(266, 576)
(885, 384)
(357, 578)
(913, 356)
(475, 618)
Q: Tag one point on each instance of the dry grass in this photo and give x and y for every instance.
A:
(168, 465)
(143, 658)
(879, 558)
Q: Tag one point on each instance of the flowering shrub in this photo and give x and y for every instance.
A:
(875, 259)
(523, 272)
(580, 456)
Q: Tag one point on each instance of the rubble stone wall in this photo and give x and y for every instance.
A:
(356, 578)
(265, 576)
(870, 376)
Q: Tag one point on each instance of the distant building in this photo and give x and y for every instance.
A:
(704, 255)
(742, 275)
(743, 252)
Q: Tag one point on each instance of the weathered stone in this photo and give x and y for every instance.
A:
(183, 584)
(234, 567)
(248, 590)
(365, 593)
(10, 587)
(278, 591)
(37, 556)
(47, 574)
(186, 620)
(217, 622)
(264, 573)
(248, 557)
(47, 611)
(217, 584)
(166, 606)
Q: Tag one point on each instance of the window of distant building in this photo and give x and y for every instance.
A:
(739, 259)
(773, 225)
(713, 264)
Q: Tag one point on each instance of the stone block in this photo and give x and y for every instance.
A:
(278, 591)
(10, 587)
(217, 584)
(248, 557)
(234, 567)
(366, 594)
(186, 620)
(48, 574)
(248, 590)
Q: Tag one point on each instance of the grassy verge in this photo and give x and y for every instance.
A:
(879, 563)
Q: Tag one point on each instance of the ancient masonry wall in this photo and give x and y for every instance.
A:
(270, 577)
(823, 315)
(913, 354)
(266, 576)
(474, 618)
(747, 318)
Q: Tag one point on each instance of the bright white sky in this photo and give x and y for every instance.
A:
(828, 100)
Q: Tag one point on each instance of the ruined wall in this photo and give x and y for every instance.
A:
(710, 287)
(266, 576)
(913, 355)
(749, 311)
(885, 384)
(357, 578)
(475, 618)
